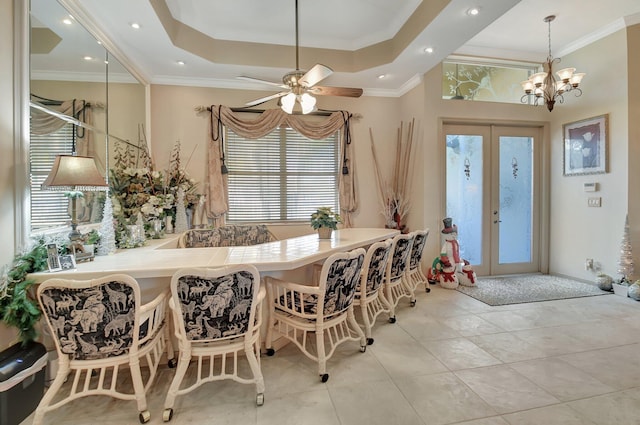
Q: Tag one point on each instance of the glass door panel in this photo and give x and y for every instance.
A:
(514, 214)
(491, 194)
(466, 156)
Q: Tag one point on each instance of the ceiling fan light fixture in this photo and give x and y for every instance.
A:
(287, 102)
(307, 102)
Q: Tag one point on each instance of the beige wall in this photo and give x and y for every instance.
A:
(577, 231)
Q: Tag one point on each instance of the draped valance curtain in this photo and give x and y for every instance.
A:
(258, 126)
(43, 123)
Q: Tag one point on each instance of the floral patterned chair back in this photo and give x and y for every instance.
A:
(376, 265)
(92, 319)
(419, 242)
(401, 251)
(341, 282)
(233, 235)
(215, 303)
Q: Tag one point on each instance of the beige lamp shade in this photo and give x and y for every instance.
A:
(74, 173)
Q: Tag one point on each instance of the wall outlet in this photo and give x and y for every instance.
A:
(594, 201)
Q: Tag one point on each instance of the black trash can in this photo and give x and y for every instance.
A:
(21, 381)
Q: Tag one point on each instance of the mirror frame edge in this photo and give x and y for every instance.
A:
(21, 41)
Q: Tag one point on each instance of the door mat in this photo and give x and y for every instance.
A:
(528, 288)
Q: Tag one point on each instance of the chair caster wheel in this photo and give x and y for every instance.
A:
(172, 363)
(427, 290)
(325, 377)
(369, 341)
(392, 320)
(270, 352)
(363, 348)
(260, 399)
(413, 303)
(144, 417)
(167, 415)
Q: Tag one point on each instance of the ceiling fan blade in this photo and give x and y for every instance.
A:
(257, 80)
(335, 91)
(267, 98)
(316, 74)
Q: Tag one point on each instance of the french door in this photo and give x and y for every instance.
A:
(493, 195)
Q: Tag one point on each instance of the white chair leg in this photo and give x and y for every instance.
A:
(367, 323)
(322, 357)
(351, 320)
(138, 385)
(255, 368)
(183, 365)
(61, 377)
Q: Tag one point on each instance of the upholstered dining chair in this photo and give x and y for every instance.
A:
(299, 312)
(101, 330)
(370, 294)
(415, 276)
(217, 315)
(394, 286)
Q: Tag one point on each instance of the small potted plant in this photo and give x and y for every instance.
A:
(324, 220)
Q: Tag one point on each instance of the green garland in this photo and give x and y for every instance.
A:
(17, 308)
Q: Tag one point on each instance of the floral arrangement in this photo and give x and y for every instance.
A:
(138, 190)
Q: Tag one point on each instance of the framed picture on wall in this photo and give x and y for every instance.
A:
(585, 146)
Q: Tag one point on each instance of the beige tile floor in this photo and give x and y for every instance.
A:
(449, 360)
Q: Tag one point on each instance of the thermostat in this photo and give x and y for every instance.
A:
(591, 187)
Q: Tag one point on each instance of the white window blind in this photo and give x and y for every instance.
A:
(283, 176)
(49, 208)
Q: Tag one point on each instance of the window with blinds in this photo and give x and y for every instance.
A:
(48, 208)
(283, 176)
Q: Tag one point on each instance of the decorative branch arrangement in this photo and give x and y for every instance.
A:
(393, 194)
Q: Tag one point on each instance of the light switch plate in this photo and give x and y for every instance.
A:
(594, 202)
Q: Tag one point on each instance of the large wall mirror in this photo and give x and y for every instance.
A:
(73, 78)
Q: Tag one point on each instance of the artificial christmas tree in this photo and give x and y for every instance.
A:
(625, 264)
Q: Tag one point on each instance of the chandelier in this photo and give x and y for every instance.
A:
(544, 86)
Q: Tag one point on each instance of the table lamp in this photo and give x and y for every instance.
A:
(74, 174)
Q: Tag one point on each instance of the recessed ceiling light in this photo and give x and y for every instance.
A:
(180, 62)
(88, 58)
(135, 25)
(381, 76)
(428, 50)
(99, 42)
(473, 11)
(67, 21)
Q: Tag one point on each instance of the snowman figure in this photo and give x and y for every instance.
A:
(449, 270)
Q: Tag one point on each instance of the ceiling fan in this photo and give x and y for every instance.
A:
(300, 85)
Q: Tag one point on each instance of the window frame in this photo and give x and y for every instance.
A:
(302, 212)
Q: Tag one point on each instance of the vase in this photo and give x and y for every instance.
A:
(634, 291)
(604, 282)
(325, 232)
